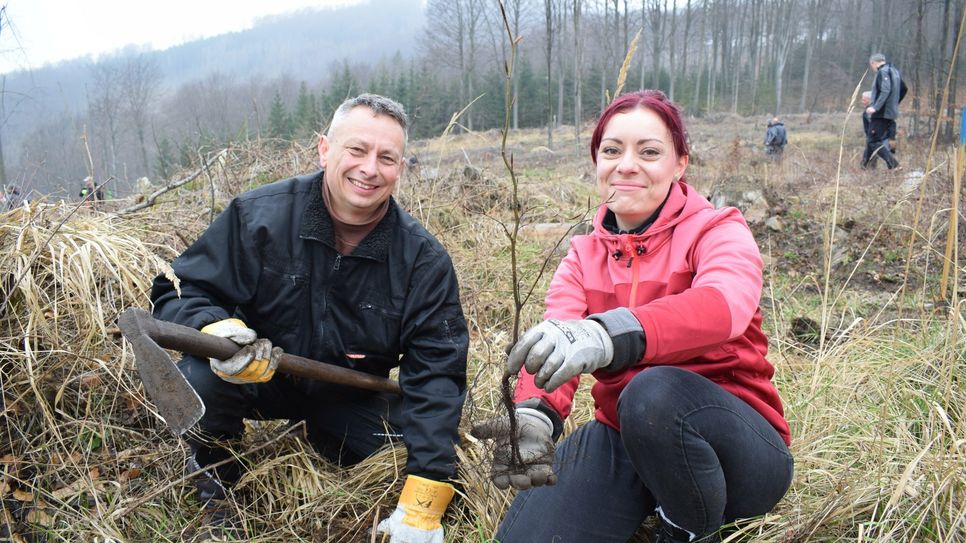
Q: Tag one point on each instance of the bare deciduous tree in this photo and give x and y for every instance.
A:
(548, 48)
(105, 102)
(578, 63)
(140, 81)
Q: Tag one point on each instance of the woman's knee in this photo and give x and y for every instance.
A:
(652, 395)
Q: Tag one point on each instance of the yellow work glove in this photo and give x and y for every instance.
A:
(255, 362)
(418, 515)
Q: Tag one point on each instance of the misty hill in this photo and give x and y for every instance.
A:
(305, 45)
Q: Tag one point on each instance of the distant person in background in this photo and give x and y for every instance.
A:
(90, 193)
(883, 110)
(867, 153)
(775, 138)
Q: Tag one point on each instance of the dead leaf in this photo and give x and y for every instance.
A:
(129, 474)
(22, 495)
(90, 379)
(40, 518)
(62, 459)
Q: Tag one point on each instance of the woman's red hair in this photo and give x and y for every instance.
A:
(653, 100)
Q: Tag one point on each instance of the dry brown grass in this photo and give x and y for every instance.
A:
(877, 413)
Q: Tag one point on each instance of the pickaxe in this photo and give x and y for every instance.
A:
(177, 402)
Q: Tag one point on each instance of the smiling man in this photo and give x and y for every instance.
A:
(329, 267)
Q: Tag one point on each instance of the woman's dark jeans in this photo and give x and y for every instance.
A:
(686, 446)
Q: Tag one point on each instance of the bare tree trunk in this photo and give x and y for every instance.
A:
(578, 54)
(686, 40)
(474, 11)
(950, 106)
(757, 23)
(561, 24)
(809, 47)
(672, 39)
(3, 117)
(141, 79)
(548, 9)
(627, 42)
(853, 29)
(736, 56)
(516, 78)
(643, 33)
(942, 65)
(657, 39)
(460, 40)
(920, 15)
(701, 53)
(106, 107)
(713, 68)
(783, 32)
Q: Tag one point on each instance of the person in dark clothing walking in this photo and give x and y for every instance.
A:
(883, 111)
(329, 267)
(775, 138)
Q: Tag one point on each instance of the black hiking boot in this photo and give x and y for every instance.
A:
(670, 534)
(219, 521)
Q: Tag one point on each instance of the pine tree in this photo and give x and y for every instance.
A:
(344, 86)
(165, 159)
(307, 117)
(279, 121)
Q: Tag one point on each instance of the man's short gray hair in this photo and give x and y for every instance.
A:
(877, 57)
(380, 105)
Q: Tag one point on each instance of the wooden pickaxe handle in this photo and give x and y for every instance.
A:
(188, 340)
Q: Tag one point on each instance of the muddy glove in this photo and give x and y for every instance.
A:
(255, 362)
(535, 438)
(418, 515)
(556, 351)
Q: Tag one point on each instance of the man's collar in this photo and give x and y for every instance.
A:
(317, 225)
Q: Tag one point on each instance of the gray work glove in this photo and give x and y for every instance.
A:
(255, 362)
(556, 351)
(535, 438)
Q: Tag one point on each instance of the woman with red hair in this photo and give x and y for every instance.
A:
(660, 304)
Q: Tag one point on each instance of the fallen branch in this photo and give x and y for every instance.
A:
(150, 200)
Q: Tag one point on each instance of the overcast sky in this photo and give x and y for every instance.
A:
(46, 31)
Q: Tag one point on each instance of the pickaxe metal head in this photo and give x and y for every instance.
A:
(177, 402)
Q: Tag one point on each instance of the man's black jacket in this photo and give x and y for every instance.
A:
(270, 259)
